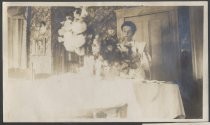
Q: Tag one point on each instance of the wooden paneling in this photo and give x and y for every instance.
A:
(139, 11)
(156, 48)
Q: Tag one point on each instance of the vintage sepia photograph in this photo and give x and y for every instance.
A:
(105, 61)
(198, 123)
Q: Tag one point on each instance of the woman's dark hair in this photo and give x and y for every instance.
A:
(130, 24)
(78, 11)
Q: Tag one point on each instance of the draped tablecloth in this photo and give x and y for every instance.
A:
(159, 99)
(62, 98)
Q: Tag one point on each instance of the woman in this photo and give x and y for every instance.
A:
(135, 59)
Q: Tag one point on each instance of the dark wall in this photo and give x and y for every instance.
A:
(59, 54)
(186, 75)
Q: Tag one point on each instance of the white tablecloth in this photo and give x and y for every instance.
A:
(159, 100)
(62, 98)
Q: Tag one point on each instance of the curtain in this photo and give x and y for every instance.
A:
(17, 43)
(196, 22)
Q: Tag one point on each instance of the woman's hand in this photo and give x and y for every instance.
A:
(122, 48)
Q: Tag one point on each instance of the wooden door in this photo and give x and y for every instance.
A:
(159, 30)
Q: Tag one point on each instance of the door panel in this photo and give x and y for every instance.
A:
(156, 51)
(157, 30)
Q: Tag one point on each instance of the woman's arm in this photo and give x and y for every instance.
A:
(141, 50)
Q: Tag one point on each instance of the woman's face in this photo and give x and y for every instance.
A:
(76, 15)
(127, 33)
(69, 18)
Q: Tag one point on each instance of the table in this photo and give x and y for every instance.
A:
(62, 98)
(159, 100)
